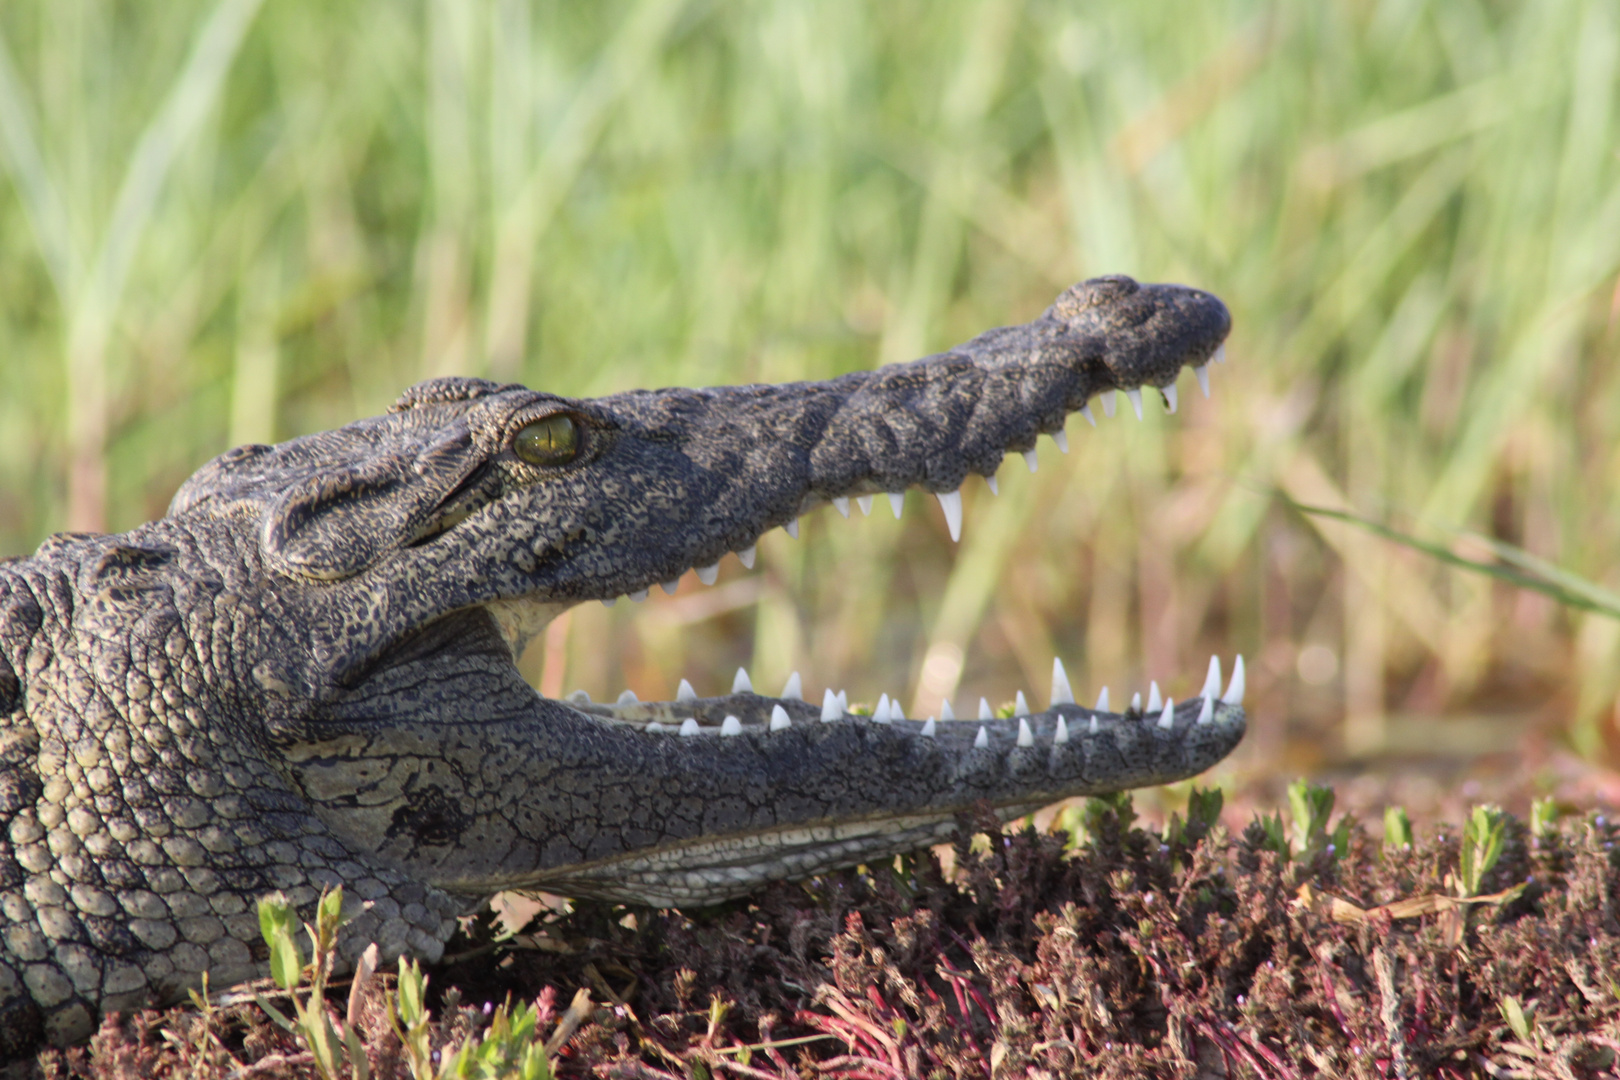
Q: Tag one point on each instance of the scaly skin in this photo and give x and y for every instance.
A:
(303, 675)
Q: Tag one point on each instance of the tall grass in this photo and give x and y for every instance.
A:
(221, 222)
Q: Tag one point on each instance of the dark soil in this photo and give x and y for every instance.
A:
(1186, 953)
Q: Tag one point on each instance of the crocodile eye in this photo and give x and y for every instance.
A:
(552, 441)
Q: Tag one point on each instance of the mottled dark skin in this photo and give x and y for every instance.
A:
(303, 675)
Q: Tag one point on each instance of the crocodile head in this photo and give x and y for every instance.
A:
(407, 557)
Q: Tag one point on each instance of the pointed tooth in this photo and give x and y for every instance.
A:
(880, 715)
(741, 684)
(1234, 691)
(843, 702)
(1020, 706)
(1061, 437)
(1102, 701)
(841, 504)
(1026, 737)
(829, 708)
(945, 710)
(981, 741)
(794, 690)
(1136, 400)
(1061, 693)
(1206, 712)
(669, 587)
(990, 482)
(1169, 393)
(638, 596)
(1095, 727)
(897, 503)
(610, 601)
(1061, 735)
(731, 726)
(1031, 460)
(792, 528)
(895, 711)
(865, 503)
(951, 503)
(1154, 700)
(1202, 371)
(1085, 411)
(1212, 681)
(779, 718)
(1110, 402)
(984, 710)
(1167, 719)
(580, 697)
(689, 726)
(627, 698)
(685, 693)
(1136, 702)
(746, 556)
(928, 729)
(708, 574)
(1220, 353)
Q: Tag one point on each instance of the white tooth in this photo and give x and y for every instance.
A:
(669, 587)
(685, 692)
(880, 715)
(1206, 712)
(794, 690)
(1061, 735)
(984, 710)
(1212, 681)
(1136, 702)
(927, 731)
(1202, 371)
(1026, 737)
(865, 503)
(580, 697)
(843, 703)
(653, 727)
(1154, 701)
(746, 556)
(689, 726)
(829, 708)
(1110, 403)
(1031, 460)
(990, 482)
(1061, 437)
(638, 596)
(1020, 706)
(1136, 400)
(951, 503)
(841, 503)
(1095, 727)
(779, 718)
(1167, 719)
(1085, 411)
(895, 711)
(1220, 353)
(741, 684)
(792, 528)
(1061, 693)
(897, 503)
(1234, 690)
(708, 574)
(627, 698)
(731, 726)
(945, 710)
(1169, 393)
(610, 601)
(982, 740)
(1102, 701)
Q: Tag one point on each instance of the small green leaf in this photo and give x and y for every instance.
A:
(329, 913)
(1483, 835)
(1543, 816)
(1516, 1019)
(1397, 827)
(278, 924)
(1204, 807)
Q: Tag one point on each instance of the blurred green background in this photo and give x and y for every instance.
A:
(229, 221)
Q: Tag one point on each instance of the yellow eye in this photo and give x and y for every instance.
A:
(552, 441)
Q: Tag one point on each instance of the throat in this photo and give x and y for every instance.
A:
(520, 621)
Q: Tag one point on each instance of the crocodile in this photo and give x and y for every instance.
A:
(304, 674)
